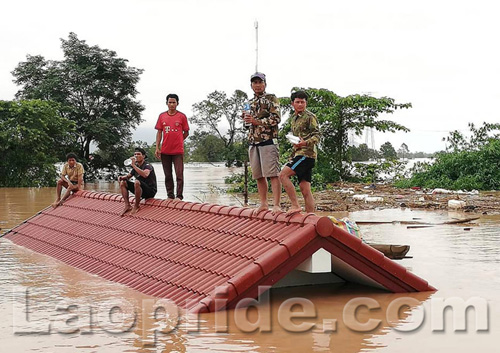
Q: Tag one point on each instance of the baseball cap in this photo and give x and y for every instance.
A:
(258, 75)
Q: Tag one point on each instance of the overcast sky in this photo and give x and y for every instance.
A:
(442, 56)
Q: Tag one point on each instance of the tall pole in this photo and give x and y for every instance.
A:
(245, 180)
(256, 24)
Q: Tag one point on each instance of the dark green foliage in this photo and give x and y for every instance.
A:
(33, 137)
(338, 116)
(362, 153)
(94, 88)
(205, 147)
(237, 182)
(212, 115)
(403, 151)
(108, 164)
(473, 164)
(388, 152)
(381, 170)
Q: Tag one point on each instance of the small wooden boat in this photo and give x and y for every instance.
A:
(394, 252)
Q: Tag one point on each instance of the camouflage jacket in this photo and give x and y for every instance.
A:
(306, 125)
(265, 108)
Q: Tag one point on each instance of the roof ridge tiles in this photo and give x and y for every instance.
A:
(203, 207)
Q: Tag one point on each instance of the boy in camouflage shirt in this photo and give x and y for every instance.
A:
(305, 126)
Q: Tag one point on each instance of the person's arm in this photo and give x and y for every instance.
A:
(63, 173)
(314, 135)
(81, 172)
(80, 182)
(142, 172)
(158, 144)
(185, 127)
(125, 177)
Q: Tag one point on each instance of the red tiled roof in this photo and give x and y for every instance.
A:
(193, 253)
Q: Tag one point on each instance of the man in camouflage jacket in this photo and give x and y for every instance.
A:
(305, 126)
(263, 120)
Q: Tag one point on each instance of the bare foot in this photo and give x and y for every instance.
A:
(259, 209)
(276, 209)
(177, 200)
(56, 203)
(134, 210)
(125, 210)
(293, 211)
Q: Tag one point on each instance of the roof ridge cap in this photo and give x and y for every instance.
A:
(324, 225)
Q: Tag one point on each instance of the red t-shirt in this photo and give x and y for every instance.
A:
(172, 127)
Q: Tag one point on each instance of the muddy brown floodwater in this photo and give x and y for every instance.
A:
(67, 307)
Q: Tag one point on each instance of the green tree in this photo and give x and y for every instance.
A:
(340, 115)
(33, 136)
(388, 152)
(472, 163)
(205, 147)
(403, 151)
(94, 87)
(479, 137)
(220, 115)
(362, 153)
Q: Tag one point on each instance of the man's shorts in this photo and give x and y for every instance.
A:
(264, 161)
(302, 166)
(147, 191)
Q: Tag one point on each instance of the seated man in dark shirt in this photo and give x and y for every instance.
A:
(144, 185)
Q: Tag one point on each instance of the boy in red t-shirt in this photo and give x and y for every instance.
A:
(173, 128)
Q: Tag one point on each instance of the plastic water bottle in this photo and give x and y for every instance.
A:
(246, 109)
(127, 162)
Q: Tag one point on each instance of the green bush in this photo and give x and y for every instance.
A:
(460, 170)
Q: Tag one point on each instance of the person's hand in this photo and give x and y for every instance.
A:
(248, 118)
(121, 178)
(133, 160)
(301, 144)
(158, 153)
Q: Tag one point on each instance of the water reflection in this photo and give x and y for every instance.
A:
(459, 263)
(62, 293)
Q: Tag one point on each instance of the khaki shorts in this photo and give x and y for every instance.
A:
(264, 161)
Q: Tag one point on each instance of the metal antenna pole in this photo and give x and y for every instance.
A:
(256, 24)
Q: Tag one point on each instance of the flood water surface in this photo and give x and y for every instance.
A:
(47, 306)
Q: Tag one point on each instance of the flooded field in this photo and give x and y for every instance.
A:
(47, 306)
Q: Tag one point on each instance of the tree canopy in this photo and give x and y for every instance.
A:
(220, 116)
(32, 137)
(472, 163)
(403, 150)
(387, 151)
(94, 88)
(338, 116)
